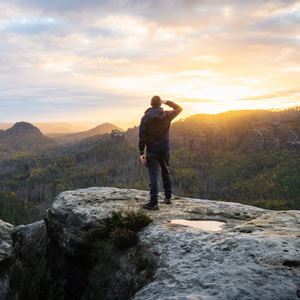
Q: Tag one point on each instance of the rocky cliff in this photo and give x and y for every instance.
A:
(69, 255)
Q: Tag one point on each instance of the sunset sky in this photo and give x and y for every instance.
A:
(99, 61)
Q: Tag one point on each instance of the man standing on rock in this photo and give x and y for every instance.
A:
(154, 135)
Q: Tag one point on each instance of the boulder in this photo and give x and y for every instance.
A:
(6, 257)
(256, 255)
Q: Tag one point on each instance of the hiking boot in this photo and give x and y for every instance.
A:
(167, 201)
(150, 206)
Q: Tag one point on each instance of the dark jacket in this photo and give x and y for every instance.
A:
(154, 128)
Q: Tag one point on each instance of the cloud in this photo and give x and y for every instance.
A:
(275, 95)
(206, 58)
(61, 103)
(82, 55)
(282, 21)
(27, 25)
(197, 100)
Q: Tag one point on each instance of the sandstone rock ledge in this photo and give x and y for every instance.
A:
(255, 256)
(6, 255)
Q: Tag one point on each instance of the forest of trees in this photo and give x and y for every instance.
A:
(251, 157)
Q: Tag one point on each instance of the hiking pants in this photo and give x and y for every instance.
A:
(154, 162)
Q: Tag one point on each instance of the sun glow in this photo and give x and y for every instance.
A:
(215, 108)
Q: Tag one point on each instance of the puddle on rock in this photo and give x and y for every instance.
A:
(201, 224)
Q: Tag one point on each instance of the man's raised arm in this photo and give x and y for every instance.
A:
(176, 109)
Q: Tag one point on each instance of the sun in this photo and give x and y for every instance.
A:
(213, 98)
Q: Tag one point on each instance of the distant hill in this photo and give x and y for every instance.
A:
(247, 131)
(56, 128)
(23, 136)
(75, 137)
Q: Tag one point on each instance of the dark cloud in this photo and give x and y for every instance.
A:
(162, 10)
(32, 25)
(63, 5)
(289, 20)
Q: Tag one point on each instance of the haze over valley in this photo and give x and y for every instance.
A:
(244, 156)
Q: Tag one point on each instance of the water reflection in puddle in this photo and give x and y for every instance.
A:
(201, 224)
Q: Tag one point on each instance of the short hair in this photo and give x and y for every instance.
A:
(155, 101)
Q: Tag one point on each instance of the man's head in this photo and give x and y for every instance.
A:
(155, 101)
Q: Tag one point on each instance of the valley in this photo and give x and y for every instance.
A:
(251, 157)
